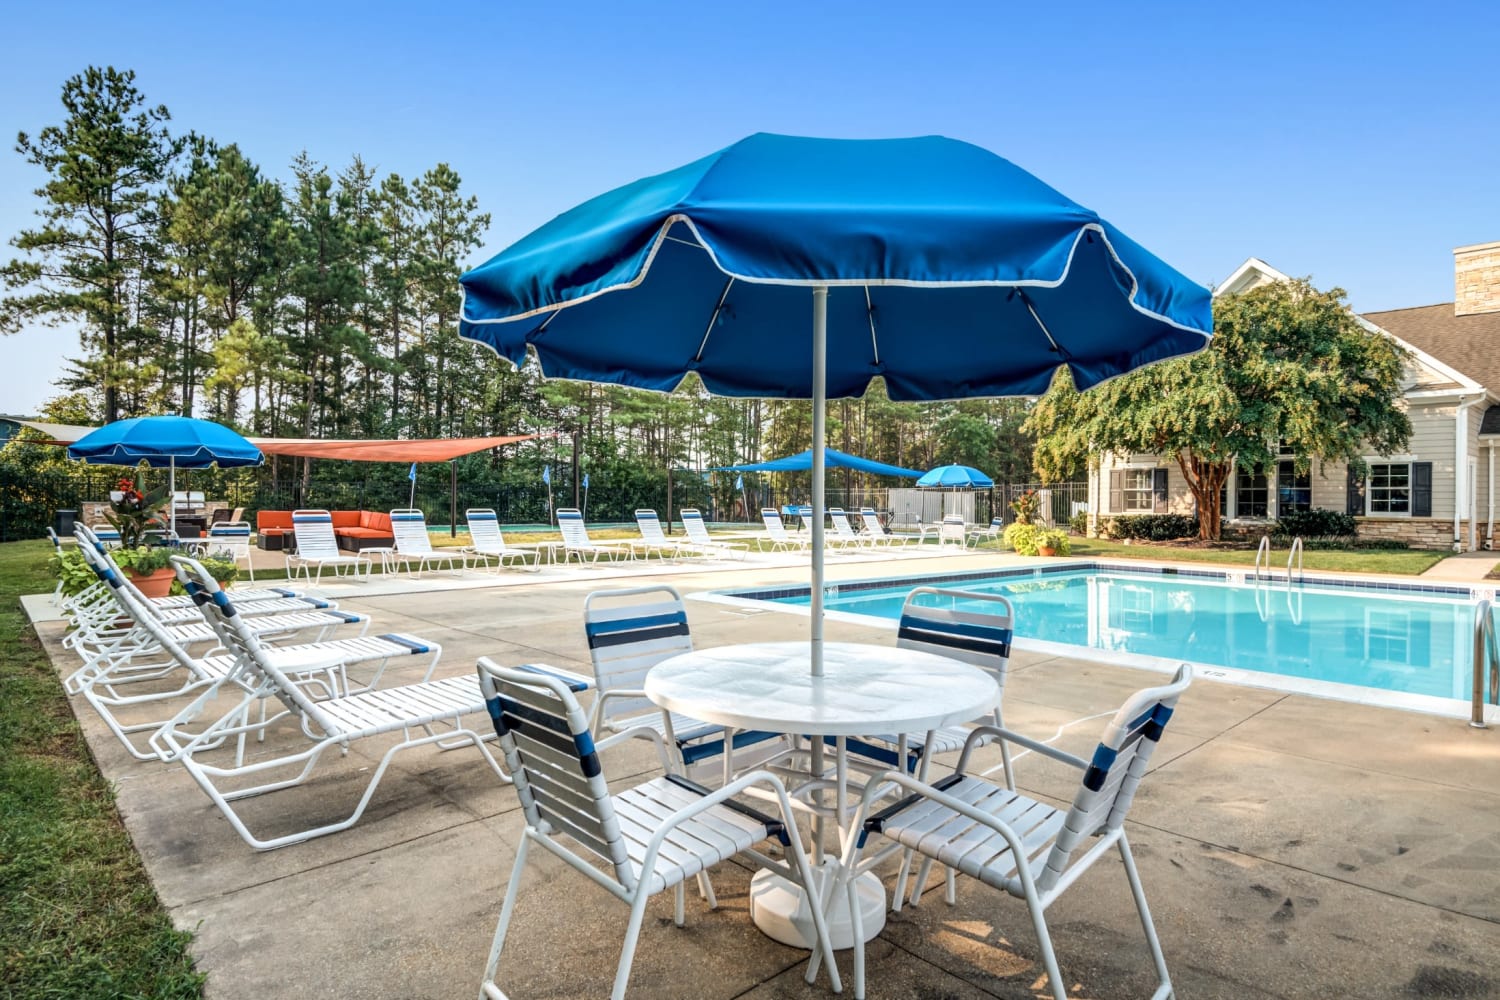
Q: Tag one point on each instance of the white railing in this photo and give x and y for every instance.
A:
(1264, 552)
(1295, 553)
(1486, 654)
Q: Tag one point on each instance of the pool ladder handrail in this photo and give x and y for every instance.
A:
(1264, 551)
(1485, 649)
(1295, 553)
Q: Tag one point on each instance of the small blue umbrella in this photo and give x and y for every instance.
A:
(932, 263)
(957, 477)
(803, 460)
(166, 442)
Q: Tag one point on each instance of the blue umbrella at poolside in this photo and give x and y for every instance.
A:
(957, 477)
(165, 442)
(933, 264)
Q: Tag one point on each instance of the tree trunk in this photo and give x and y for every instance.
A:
(1206, 480)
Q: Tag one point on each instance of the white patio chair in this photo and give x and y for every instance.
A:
(1014, 843)
(318, 546)
(414, 544)
(634, 843)
(489, 542)
(844, 535)
(652, 539)
(232, 538)
(874, 531)
(777, 535)
(952, 530)
(629, 631)
(414, 711)
(702, 541)
(576, 541)
(977, 536)
(326, 665)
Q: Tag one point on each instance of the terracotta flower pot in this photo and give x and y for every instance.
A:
(1043, 550)
(157, 583)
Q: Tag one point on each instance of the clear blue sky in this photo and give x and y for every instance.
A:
(1356, 143)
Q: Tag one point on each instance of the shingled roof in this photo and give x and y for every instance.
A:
(1471, 344)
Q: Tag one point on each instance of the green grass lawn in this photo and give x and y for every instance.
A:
(1406, 562)
(78, 916)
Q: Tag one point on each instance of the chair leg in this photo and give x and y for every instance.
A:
(506, 908)
(1147, 925)
(679, 900)
(857, 929)
(1049, 957)
(632, 935)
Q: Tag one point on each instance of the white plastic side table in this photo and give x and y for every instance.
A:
(768, 686)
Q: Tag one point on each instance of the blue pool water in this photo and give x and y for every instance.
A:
(1413, 640)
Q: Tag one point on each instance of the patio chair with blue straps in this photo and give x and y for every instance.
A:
(653, 541)
(488, 542)
(629, 631)
(776, 534)
(701, 541)
(1019, 845)
(318, 546)
(414, 544)
(633, 843)
(576, 541)
(231, 540)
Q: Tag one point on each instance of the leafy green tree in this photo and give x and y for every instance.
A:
(105, 165)
(1288, 366)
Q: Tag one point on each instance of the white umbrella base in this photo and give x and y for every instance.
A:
(781, 909)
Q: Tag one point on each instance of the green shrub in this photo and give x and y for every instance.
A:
(1315, 523)
(1022, 538)
(1153, 527)
(1055, 539)
(1079, 523)
(1348, 544)
(70, 567)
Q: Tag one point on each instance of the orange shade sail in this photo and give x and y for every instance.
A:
(420, 450)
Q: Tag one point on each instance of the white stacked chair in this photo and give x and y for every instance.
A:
(323, 665)
(576, 541)
(422, 713)
(1021, 846)
(414, 544)
(634, 843)
(776, 534)
(318, 546)
(488, 542)
(702, 541)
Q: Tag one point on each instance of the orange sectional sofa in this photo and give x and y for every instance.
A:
(354, 529)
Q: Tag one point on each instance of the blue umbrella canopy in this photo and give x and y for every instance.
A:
(160, 442)
(936, 265)
(957, 476)
(803, 461)
(951, 272)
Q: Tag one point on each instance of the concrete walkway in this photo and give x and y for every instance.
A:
(1290, 847)
(1465, 567)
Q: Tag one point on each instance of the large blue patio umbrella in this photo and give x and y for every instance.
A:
(936, 265)
(959, 477)
(166, 442)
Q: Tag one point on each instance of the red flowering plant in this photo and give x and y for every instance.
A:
(1026, 506)
(133, 513)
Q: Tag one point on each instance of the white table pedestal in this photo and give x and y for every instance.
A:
(780, 908)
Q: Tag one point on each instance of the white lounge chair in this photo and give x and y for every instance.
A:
(844, 535)
(634, 843)
(777, 535)
(702, 541)
(414, 711)
(325, 665)
(652, 539)
(576, 541)
(414, 544)
(318, 546)
(871, 528)
(1014, 843)
(230, 539)
(977, 536)
(489, 542)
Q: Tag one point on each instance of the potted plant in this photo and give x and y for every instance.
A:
(1021, 537)
(224, 571)
(133, 513)
(1053, 542)
(1025, 506)
(73, 570)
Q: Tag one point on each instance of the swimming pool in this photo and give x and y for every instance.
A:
(1401, 644)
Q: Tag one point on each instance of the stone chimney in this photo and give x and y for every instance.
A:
(1476, 279)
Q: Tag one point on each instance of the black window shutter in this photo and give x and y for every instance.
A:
(1356, 493)
(1159, 490)
(1421, 489)
(1116, 491)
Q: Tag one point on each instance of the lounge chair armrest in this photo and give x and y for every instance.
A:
(576, 682)
(1010, 736)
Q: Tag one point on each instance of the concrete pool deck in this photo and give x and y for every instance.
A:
(1290, 846)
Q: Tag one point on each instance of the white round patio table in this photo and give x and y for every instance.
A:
(865, 689)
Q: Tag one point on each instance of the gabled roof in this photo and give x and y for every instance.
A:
(1470, 344)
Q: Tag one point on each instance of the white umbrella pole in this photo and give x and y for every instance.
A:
(819, 397)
